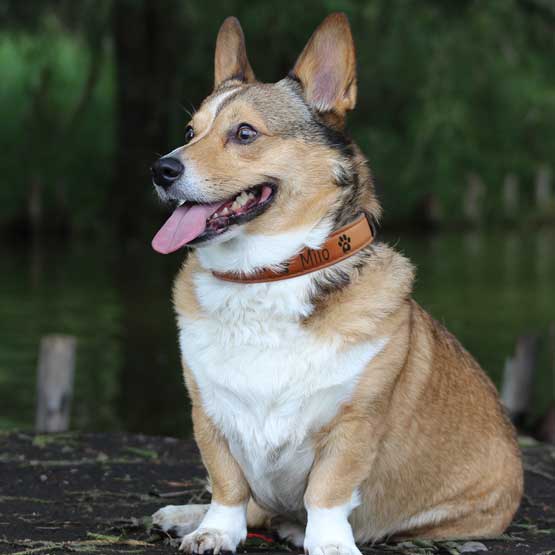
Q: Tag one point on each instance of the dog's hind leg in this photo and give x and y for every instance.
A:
(256, 516)
(287, 530)
(292, 532)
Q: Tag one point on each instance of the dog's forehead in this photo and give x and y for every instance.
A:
(279, 104)
(211, 107)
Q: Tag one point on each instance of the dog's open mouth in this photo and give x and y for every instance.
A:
(193, 223)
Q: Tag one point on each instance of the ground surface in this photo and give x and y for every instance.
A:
(93, 493)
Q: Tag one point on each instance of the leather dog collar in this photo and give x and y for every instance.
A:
(340, 245)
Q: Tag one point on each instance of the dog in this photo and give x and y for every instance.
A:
(326, 403)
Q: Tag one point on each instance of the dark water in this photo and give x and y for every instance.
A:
(486, 287)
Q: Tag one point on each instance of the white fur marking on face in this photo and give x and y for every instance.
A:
(212, 107)
(222, 529)
(328, 530)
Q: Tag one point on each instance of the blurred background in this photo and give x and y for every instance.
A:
(456, 114)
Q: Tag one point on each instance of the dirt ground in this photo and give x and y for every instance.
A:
(93, 493)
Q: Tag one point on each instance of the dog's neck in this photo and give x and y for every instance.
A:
(339, 246)
(248, 254)
(245, 253)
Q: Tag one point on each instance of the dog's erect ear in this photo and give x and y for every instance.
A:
(326, 67)
(231, 54)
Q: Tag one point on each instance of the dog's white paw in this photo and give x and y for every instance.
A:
(179, 520)
(291, 532)
(223, 528)
(332, 549)
(328, 531)
(209, 539)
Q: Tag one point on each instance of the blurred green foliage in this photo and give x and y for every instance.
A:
(446, 88)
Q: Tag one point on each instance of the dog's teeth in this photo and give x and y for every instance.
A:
(241, 200)
(235, 205)
(225, 211)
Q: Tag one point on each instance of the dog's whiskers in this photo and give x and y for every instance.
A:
(188, 112)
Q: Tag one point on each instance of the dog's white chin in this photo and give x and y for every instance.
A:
(239, 251)
(227, 235)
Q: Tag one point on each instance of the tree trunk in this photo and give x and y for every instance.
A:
(146, 44)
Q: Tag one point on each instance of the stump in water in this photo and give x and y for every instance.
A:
(56, 369)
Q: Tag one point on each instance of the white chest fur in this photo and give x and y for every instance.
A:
(266, 381)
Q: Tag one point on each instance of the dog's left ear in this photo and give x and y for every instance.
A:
(231, 60)
(326, 67)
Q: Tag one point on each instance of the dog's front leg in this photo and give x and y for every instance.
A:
(343, 462)
(225, 524)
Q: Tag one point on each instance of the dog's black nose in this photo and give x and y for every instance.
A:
(166, 170)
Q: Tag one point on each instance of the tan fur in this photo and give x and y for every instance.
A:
(184, 297)
(422, 390)
(395, 436)
(424, 431)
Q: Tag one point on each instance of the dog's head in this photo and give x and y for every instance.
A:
(268, 161)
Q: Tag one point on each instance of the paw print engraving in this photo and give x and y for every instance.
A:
(344, 243)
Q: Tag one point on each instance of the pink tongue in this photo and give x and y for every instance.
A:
(266, 192)
(186, 223)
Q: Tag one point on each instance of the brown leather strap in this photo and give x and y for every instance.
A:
(341, 245)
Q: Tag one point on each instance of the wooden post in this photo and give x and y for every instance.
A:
(56, 369)
(518, 376)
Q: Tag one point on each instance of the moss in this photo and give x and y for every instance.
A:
(145, 453)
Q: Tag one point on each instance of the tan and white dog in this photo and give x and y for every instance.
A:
(328, 405)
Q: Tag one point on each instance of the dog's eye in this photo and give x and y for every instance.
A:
(245, 133)
(189, 134)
